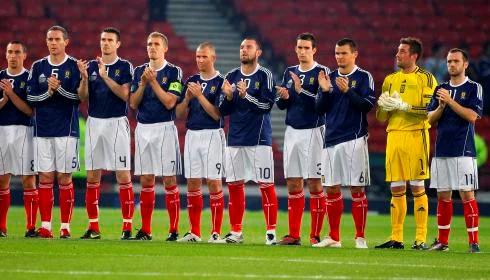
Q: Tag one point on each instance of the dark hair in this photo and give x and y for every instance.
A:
(156, 34)
(16, 42)
(59, 28)
(463, 52)
(307, 37)
(415, 46)
(113, 30)
(255, 40)
(348, 41)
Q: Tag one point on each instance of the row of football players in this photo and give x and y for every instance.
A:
(312, 152)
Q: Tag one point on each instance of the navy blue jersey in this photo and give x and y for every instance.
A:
(346, 113)
(9, 114)
(197, 117)
(56, 115)
(102, 102)
(151, 109)
(250, 120)
(455, 135)
(300, 107)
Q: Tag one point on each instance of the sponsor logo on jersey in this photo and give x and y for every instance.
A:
(42, 79)
(93, 76)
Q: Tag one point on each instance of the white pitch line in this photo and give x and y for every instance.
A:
(187, 274)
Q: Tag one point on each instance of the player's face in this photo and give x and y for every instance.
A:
(249, 52)
(403, 57)
(15, 56)
(345, 56)
(205, 59)
(305, 51)
(156, 48)
(456, 64)
(55, 42)
(109, 43)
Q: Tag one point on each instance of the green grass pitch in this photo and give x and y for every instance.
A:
(111, 258)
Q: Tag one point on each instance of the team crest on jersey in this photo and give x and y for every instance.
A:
(67, 74)
(312, 80)
(164, 80)
(117, 73)
(463, 95)
(402, 88)
(257, 85)
(353, 84)
(22, 84)
(213, 89)
(42, 79)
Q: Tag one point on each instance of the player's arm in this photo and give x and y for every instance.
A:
(264, 102)
(226, 99)
(467, 114)
(182, 108)
(83, 88)
(362, 98)
(34, 94)
(325, 90)
(121, 91)
(168, 98)
(3, 101)
(382, 114)
(138, 86)
(70, 89)
(209, 107)
(435, 109)
(283, 98)
(12, 96)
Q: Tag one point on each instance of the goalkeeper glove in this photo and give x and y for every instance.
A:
(385, 102)
(398, 103)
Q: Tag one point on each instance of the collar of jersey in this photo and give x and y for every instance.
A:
(64, 60)
(163, 66)
(12, 75)
(353, 70)
(112, 63)
(255, 71)
(304, 71)
(462, 83)
(215, 75)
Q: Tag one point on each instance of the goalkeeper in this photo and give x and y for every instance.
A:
(402, 104)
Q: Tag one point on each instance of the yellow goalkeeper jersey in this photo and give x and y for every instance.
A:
(415, 88)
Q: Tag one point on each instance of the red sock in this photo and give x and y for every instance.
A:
(46, 199)
(31, 204)
(92, 195)
(147, 204)
(126, 198)
(444, 215)
(172, 201)
(67, 198)
(269, 204)
(471, 216)
(317, 212)
(4, 208)
(194, 207)
(236, 205)
(359, 212)
(296, 206)
(335, 206)
(217, 203)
